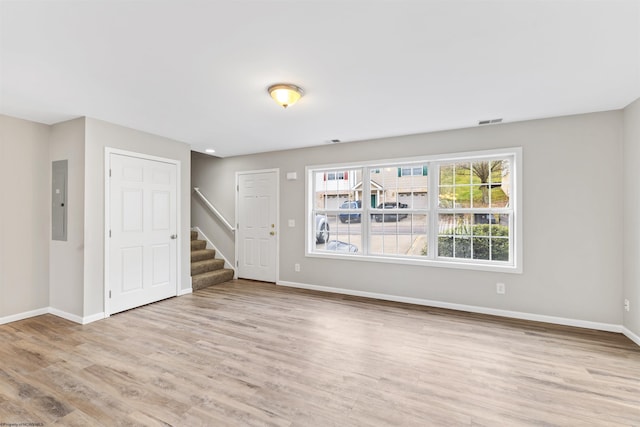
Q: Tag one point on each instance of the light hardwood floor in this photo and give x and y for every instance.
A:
(246, 353)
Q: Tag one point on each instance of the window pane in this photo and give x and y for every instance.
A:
(500, 249)
(334, 187)
(499, 199)
(446, 197)
(481, 248)
(460, 227)
(462, 247)
(351, 211)
(414, 199)
(322, 229)
(399, 234)
(462, 196)
(446, 224)
(500, 195)
(500, 225)
(340, 237)
(406, 184)
(481, 236)
(462, 173)
(446, 175)
(481, 195)
(445, 246)
(462, 224)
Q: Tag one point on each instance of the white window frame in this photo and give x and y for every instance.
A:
(433, 162)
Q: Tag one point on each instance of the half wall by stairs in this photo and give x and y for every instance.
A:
(206, 270)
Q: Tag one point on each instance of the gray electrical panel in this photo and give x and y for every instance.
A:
(59, 172)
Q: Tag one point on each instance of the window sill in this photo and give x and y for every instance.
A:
(420, 262)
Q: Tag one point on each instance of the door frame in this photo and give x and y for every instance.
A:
(277, 255)
(108, 151)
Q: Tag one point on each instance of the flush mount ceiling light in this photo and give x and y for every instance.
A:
(285, 94)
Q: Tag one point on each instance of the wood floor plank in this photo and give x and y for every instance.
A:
(254, 354)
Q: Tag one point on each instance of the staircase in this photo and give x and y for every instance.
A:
(206, 270)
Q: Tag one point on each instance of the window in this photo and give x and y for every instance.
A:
(412, 170)
(457, 211)
(332, 176)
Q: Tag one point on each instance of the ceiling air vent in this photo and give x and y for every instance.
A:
(489, 122)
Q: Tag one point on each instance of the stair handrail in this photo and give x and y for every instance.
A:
(213, 209)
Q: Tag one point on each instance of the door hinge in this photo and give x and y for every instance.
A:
(109, 173)
(237, 188)
(237, 263)
(109, 294)
(109, 233)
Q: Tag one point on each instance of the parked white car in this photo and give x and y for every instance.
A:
(322, 229)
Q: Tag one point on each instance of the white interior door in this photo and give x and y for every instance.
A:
(143, 256)
(257, 225)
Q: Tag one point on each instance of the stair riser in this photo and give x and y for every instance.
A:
(203, 255)
(206, 266)
(210, 279)
(194, 235)
(196, 245)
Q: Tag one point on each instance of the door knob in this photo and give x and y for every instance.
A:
(273, 233)
(174, 236)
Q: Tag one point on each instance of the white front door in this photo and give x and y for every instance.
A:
(142, 223)
(257, 225)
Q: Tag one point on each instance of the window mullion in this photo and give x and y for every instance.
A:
(432, 191)
(365, 218)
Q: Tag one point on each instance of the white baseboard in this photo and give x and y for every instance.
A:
(93, 318)
(227, 264)
(51, 310)
(22, 316)
(185, 291)
(72, 317)
(633, 337)
(461, 307)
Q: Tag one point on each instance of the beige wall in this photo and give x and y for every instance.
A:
(24, 216)
(632, 216)
(572, 231)
(66, 258)
(100, 135)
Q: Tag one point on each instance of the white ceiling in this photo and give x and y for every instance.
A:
(197, 71)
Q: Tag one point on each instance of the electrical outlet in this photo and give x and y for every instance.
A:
(627, 305)
(500, 288)
(296, 267)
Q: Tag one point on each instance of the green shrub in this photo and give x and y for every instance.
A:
(457, 242)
